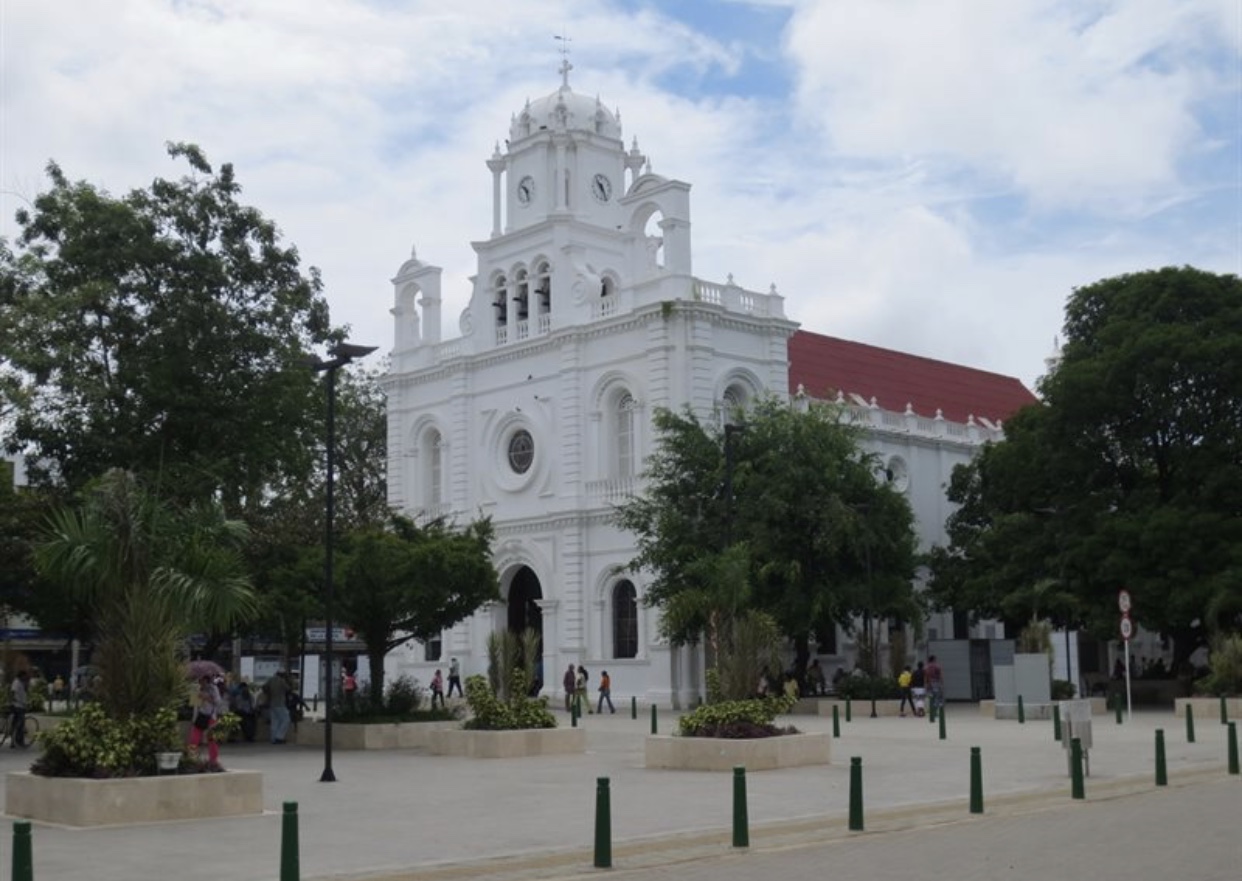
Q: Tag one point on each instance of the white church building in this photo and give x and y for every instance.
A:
(586, 316)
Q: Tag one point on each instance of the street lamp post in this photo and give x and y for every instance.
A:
(342, 354)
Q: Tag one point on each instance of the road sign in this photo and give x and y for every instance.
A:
(1127, 628)
(1123, 601)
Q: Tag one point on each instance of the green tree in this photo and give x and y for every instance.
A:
(1128, 475)
(407, 581)
(152, 574)
(160, 332)
(783, 513)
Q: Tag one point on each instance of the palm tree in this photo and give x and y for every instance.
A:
(152, 576)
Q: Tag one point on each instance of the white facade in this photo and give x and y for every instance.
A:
(585, 317)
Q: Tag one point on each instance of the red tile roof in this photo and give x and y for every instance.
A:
(824, 365)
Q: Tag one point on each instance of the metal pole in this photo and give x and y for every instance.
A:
(1129, 707)
(976, 781)
(741, 823)
(1076, 784)
(328, 776)
(1233, 748)
(290, 869)
(603, 824)
(856, 795)
(23, 856)
(1162, 770)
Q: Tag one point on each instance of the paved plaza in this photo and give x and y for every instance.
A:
(410, 816)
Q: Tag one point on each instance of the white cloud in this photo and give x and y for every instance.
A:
(942, 175)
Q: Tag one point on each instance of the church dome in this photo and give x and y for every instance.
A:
(565, 110)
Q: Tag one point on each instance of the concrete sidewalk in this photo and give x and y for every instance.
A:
(410, 815)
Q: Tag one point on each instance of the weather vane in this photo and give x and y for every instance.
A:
(566, 67)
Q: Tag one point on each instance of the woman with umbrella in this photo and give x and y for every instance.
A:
(208, 705)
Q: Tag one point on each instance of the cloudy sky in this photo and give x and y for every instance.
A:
(927, 175)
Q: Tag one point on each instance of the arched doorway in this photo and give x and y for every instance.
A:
(524, 614)
(524, 611)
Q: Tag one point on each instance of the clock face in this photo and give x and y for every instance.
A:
(601, 188)
(526, 190)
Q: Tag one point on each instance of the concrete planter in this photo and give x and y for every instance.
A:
(507, 744)
(991, 709)
(861, 708)
(388, 735)
(724, 754)
(1207, 709)
(77, 801)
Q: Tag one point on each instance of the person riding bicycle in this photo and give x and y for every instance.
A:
(17, 709)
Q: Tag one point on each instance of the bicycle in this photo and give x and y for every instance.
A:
(31, 726)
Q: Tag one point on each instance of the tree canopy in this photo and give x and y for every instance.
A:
(160, 332)
(1128, 475)
(406, 581)
(782, 512)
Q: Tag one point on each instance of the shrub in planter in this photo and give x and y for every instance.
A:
(93, 744)
(1063, 690)
(402, 703)
(1225, 664)
(490, 713)
(738, 719)
(868, 687)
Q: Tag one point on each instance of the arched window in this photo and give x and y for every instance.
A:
(624, 620)
(521, 296)
(625, 435)
(435, 469)
(543, 288)
(500, 300)
(732, 402)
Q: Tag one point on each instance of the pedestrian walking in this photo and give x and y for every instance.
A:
(454, 678)
(437, 690)
(605, 693)
(918, 687)
(208, 705)
(935, 683)
(570, 683)
(19, 697)
(580, 690)
(276, 690)
(904, 682)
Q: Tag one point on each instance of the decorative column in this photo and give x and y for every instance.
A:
(497, 165)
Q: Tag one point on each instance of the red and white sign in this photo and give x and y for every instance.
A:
(1127, 627)
(1123, 601)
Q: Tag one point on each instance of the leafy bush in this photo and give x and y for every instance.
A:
(400, 704)
(737, 719)
(1225, 664)
(490, 713)
(1063, 690)
(92, 744)
(868, 687)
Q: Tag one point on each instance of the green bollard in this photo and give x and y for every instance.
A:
(634, 708)
(836, 721)
(1224, 711)
(1233, 747)
(940, 717)
(856, 795)
(1056, 723)
(23, 857)
(290, 869)
(741, 825)
(1076, 787)
(654, 726)
(573, 713)
(931, 711)
(603, 824)
(976, 781)
(1190, 723)
(1162, 770)
(849, 715)
(1117, 708)
(1021, 712)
